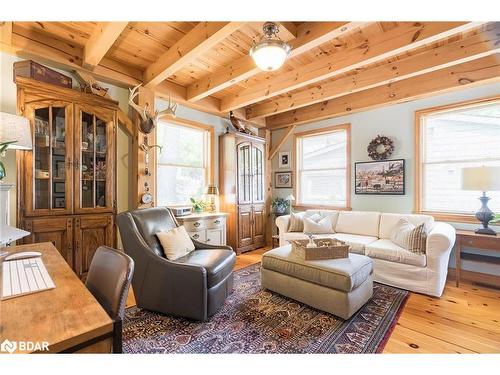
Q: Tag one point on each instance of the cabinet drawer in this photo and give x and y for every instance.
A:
(481, 242)
(215, 222)
(198, 236)
(194, 225)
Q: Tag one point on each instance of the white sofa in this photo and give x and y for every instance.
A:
(369, 233)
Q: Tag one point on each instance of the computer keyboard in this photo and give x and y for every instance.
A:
(24, 276)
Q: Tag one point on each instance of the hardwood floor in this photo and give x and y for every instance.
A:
(463, 320)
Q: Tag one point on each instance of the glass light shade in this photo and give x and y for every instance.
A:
(15, 129)
(481, 178)
(270, 54)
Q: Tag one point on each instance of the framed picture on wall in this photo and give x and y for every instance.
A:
(385, 177)
(282, 180)
(284, 160)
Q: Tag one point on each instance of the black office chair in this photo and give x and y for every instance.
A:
(109, 280)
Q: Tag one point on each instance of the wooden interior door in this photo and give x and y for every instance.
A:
(91, 231)
(58, 230)
(244, 226)
(94, 164)
(258, 225)
(47, 170)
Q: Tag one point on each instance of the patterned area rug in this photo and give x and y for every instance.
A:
(257, 321)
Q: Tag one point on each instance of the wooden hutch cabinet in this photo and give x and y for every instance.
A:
(66, 185)
(241, 175)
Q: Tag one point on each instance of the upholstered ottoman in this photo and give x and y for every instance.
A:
(337, 286)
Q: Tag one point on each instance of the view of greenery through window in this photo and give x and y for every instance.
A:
(182, 163)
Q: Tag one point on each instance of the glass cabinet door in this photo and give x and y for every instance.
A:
(257, 174)
(94, 162)
(244, 173)
(48, 166)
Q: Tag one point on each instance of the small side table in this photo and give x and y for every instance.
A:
(276, 241)
(466, 238)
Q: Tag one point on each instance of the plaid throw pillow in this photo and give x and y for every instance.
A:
(409, 237)
(296, 223)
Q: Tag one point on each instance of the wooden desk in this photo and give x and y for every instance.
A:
(467, 238)
(68, 317)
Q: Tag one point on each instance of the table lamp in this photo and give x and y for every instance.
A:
(482, 179)
(211, 192)
(290, 199)
(15, 133)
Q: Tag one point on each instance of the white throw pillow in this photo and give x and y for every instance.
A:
(321, 226)
(175, 242)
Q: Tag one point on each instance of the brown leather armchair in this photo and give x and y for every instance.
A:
(194, 286)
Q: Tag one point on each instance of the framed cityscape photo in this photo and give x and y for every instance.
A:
(282, 180)
(384, 177)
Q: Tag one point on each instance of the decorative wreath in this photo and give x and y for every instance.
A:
(380, 148)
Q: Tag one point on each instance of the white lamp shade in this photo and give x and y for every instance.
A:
(15, 128)
(290, 198)
(481, 178)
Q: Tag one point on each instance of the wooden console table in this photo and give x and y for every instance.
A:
(467, 238)
(67, 317)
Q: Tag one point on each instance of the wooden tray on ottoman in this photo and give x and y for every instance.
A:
(326, 249)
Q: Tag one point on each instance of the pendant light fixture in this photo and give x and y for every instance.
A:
(271, 52)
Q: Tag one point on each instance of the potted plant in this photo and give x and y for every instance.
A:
(280, 206)
(198, 205)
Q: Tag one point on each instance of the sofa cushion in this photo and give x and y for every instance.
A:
(365, 223)
(344, 274)
(357, 242)
(389, 221)
(218, 263)
(385, 249)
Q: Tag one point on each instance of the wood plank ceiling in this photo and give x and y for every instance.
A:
(334, 68)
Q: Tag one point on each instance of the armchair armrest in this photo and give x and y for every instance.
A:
(282, 223)
(440, 241)
(201, 245)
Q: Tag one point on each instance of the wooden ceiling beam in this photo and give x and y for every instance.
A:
(404, 37)
(477, 72)
(287, 30)
(34, 45)
(101, 40)
(485, 43)
(6, 32)
(203, 37)
(244, 67)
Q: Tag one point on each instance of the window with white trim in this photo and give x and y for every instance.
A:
(451, 140)
(183, 165)
(322, 167)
